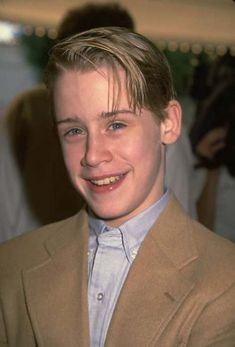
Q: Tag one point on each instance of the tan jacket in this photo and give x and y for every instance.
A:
(180, 290)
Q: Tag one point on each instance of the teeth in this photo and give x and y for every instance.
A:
(106, 181)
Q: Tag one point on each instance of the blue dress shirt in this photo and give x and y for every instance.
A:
(111, 253)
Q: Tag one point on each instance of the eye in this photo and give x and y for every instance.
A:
(71, 134)
(117, 125)
(74, 132)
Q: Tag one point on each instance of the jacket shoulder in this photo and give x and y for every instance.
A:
(204, 257)
(29, 248)
(216, 265)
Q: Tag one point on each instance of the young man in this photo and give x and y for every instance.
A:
(131, 269)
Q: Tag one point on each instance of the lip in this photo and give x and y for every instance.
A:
(107, 187)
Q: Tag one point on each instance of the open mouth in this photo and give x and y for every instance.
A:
(105, 184)
(106, 181)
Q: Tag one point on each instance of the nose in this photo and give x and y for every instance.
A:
(96, 151)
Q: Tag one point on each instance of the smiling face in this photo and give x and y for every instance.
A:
(115, 158)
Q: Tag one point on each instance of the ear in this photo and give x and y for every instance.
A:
(171, 125)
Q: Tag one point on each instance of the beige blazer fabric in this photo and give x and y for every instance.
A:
(180, 290)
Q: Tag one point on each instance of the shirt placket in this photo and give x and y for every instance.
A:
(108, 258)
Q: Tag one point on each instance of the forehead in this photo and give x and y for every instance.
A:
(102, 79)
(111, 75)
(90, 91)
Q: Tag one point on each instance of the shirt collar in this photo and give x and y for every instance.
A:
(134, 230)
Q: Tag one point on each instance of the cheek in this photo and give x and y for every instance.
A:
(72, 157)
(144, 155)
(147, 146)
(149, 155)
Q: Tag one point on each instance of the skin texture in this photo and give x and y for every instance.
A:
(99, 143)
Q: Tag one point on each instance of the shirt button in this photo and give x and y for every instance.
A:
(134, 253)
(100, 296)
(90, 252)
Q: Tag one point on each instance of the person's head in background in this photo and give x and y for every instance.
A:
(75, 20)
(115, 110)
(91, 16)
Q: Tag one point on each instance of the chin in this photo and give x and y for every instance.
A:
(107, 214)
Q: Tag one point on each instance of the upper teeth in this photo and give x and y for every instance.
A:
(105, 181)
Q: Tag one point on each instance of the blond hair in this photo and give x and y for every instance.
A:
(148, 77)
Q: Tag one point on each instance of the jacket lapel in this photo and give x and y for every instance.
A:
(157, 283)
(56, 290)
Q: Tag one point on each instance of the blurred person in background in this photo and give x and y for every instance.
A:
(213, 142)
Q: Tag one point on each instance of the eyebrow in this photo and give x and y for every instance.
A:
(115, 113)
(74, 119)
(104, 115)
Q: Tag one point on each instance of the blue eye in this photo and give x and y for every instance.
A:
(117, 126)
(74, 132)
